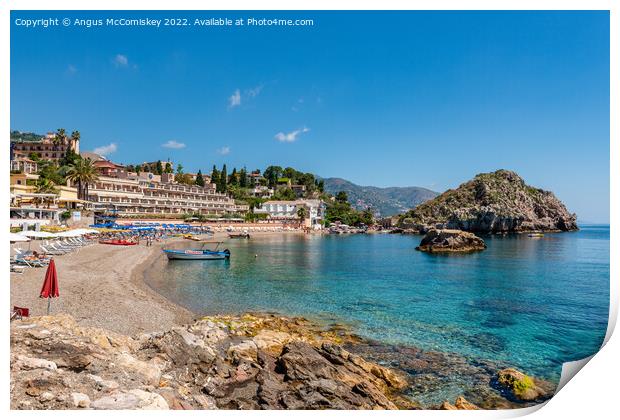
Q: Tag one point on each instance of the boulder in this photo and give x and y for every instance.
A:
(450, 240)
(28, 363)
(271, 341)
(246, 350)
(521, 386)
(147, 371)
(135, 399)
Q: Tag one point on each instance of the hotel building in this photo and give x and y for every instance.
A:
(46, 148)
(147, 197)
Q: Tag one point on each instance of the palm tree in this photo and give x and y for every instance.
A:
(60, 137)
(45, 186)
(302, 213)
(75, 135)
(83, 173)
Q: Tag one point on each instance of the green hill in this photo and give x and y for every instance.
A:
(21, 136)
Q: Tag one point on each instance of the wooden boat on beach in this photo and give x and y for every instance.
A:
(198, 254)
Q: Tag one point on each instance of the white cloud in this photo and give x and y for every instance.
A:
(292, 136)
(173, 144)
(235, 99)
(224, 150)
(254, 92)
(106, 150)
(121, 60)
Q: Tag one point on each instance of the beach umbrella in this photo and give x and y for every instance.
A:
(50, 285)
(36, 234)
(70, 233)
(14, 237)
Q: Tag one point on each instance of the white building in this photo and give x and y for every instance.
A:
(289, 211)
(261, 191)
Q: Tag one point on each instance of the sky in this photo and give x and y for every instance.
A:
(424, 99)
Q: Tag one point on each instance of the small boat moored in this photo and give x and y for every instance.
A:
(240, 235)
(198, 254)
(536, 235)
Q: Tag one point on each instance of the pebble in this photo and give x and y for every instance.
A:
(80, 400)
(46, 396)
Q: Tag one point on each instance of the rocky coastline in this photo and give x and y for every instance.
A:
(251, 361)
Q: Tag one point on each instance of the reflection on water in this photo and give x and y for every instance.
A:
(530, 302)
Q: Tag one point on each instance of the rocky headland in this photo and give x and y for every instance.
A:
(496, 202)
(450, 240)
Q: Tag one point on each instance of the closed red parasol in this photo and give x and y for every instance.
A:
(50, 284)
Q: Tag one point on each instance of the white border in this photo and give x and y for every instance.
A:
(592, 395)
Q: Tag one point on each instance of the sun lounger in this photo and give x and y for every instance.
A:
(49, 251)
(19, 313)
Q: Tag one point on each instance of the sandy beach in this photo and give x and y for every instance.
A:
(102, 286)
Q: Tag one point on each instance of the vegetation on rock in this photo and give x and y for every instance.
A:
(493, 202)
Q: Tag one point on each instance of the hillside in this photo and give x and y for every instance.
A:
(386, 201)
(23, 136)
(499, 201)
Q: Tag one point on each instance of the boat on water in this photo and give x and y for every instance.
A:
(121, 242)
(191, 237)
(240, 235)
(202, 253)
(536, 235)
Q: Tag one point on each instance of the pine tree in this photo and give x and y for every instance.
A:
(243, 178)
(168, 168)
(223, 184)
(215, 178)
(233, 177)
(199, 179)
(159, 169)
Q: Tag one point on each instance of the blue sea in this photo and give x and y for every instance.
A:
(532, 303)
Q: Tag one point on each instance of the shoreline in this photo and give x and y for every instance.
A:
(109, 288)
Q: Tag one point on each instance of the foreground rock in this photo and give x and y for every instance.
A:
(522, 387)
(448, 240)
(492, 203)
(460, 404)
(247, 362)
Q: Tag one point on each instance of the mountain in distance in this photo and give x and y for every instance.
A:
(385, 202)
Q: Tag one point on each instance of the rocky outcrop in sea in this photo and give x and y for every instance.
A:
(493, 202)
(450, 240)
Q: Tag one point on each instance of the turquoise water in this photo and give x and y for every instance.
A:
(533, 303)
